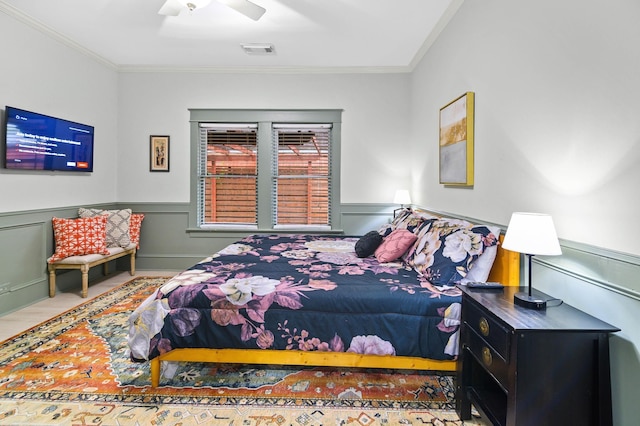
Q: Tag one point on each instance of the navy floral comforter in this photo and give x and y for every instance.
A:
(302, 292)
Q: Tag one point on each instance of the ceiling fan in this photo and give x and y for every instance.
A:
(174, 7)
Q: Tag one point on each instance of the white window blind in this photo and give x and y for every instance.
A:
(228, 173)
(301, 174)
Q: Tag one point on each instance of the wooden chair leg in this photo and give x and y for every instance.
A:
(85, 280)
(132, 271)
(52, 281)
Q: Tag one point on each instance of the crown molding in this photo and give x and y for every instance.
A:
(262, 70)
(435, 33)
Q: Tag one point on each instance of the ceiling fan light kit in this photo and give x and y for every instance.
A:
(247, 8)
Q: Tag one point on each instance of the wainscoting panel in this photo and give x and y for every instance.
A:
(358, 219)
(617, 272)
(578, 284)
(22, 245)
(26, 242)
(165, 242)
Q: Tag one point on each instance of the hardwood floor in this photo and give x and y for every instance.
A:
(18, 321)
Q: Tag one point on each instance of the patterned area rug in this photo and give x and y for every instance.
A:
(74, 370)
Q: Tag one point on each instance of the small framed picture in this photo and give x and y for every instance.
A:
(159, 153)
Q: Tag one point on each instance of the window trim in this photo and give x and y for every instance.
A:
(265, 119)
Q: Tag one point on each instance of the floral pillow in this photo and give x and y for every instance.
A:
(77, 237)
(446, 249)
(406, 219)
(481, 268)
(395, 245)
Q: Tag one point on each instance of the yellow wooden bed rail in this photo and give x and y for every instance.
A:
(506, 270)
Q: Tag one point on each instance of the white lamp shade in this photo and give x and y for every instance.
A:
(532, 233)
(402, 197)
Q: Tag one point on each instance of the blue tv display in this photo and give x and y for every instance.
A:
(40, 142)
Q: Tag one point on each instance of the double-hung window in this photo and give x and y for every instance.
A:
(266, 169)
(228, 174)
(301, 175)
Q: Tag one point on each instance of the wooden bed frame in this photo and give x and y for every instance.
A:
(506, 270)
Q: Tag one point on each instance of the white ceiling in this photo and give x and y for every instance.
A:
(373, 35)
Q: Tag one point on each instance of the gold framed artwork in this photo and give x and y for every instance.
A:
(159, 153)
(456, 141)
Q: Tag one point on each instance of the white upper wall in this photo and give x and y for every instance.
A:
(556, 115)
(375, 129)
(39, 74)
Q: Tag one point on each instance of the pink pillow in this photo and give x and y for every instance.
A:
(395, 245)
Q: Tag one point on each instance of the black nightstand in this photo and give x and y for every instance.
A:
(527, 367)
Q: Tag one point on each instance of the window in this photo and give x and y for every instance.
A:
(265, 169)
(301, 172)
(228, 174)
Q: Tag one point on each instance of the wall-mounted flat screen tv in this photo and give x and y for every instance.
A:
(40, 142)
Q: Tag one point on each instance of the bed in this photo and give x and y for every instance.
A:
(387, 299)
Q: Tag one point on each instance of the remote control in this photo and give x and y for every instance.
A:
(489, 285)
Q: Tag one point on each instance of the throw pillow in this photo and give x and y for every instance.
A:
(117, 225)
(446, 250)
(395, 245)
(406, 219)
(368, 243)
(77, 237)
(134, 228)
(481, 268)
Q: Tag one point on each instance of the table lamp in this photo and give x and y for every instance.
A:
(401, 197)
(531, 234)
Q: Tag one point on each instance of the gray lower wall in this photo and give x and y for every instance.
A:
(600, 282)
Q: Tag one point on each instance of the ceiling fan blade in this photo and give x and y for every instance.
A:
(245, 7)
(171, 8)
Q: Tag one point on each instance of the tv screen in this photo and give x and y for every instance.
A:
(40, 142)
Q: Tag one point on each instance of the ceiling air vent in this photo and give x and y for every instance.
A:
(258, 49)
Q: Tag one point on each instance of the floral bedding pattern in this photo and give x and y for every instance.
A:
(302, 292)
